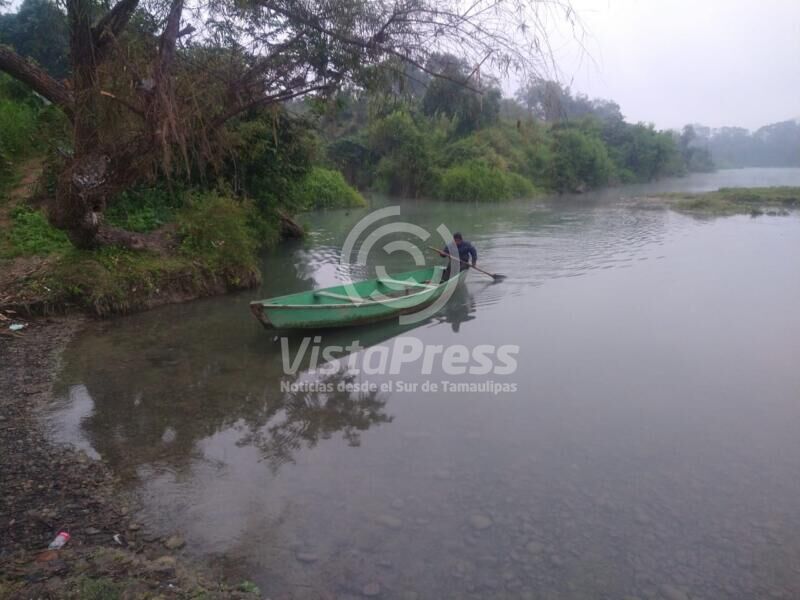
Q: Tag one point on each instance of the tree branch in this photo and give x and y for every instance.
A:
(111, 24)
(36, 78)
(166, 48)
(264, 101)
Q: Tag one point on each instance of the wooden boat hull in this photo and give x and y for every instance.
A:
(354, 304)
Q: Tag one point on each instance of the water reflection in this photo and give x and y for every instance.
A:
(651, 451)
(302, 418)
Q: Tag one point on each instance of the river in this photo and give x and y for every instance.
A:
(647, 444)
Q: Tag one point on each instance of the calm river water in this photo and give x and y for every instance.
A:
(651, 448)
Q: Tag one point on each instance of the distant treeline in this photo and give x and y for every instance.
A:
(775, 145)
(456, 137)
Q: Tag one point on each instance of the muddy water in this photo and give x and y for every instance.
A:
(651, 448)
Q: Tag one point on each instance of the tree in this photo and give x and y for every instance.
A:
(552, 102)
(459, 94)
(153, 86)
(39, 30)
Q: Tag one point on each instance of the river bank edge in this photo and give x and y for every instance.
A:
(48, 488)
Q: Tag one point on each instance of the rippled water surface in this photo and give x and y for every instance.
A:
(651, 450)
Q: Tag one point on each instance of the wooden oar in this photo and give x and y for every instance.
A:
(495, 276)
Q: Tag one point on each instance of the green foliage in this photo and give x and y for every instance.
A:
(476, 180)
(31, 233)
(353, 157)
(324, 188)
(641, 153)
(272, 151)
(249, 587)
(27, 126)
(580, 160)
(39, 30)
(144, 209)
(405, 167)
(220, 230)
(453, 95)
(17, 127)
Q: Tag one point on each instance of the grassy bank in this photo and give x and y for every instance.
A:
(215, 246)
(727, 201)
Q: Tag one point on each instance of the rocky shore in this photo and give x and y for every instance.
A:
(45, 489)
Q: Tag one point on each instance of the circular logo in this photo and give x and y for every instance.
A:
(361, 231)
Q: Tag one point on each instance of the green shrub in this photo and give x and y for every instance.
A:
(324, 188)
(405, 167)
(475, 180)
(220, 231)
(145, 208)
(580, 160)
(17, 127)
(31, 233)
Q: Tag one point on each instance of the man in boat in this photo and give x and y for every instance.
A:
(462, 249)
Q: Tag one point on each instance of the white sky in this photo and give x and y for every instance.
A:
(672, 62)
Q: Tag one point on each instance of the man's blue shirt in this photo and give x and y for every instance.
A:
(464, 251)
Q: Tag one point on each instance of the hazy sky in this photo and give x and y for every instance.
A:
(716, 62)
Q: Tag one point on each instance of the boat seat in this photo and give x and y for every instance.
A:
(339, 297)
(397, 283)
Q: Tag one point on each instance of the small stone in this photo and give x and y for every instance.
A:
(91, 531)
(479, 521)
(174, 543)
(306, 557)
(134, 527)
(397, 504)
(164, 565)
(372, 589)
(390, 521)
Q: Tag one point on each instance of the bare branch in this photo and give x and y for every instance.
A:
(36, 78)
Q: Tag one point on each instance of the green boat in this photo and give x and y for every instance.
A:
(354, 303)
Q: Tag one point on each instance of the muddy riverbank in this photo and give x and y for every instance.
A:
(48, 488)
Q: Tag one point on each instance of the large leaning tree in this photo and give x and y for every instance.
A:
(153, 83)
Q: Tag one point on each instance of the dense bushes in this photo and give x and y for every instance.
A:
(476, 180)
(18, 121)
(324, 188)
(220, 230)
(580, 161)
(147, 208)
(405, 155)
